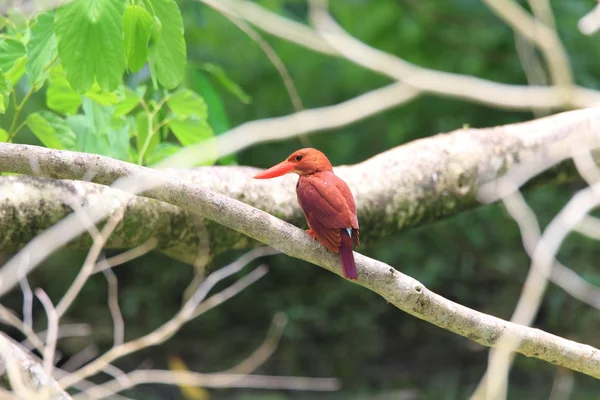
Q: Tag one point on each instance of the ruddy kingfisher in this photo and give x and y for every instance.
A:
(326, 201)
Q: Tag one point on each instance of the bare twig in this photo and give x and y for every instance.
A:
(52, 335)
(113, 305)
(126, 256)
(186, 378)
(544, 37)
(169, 328)
(542, 250)
(264, 351)
(421, 79)
(563, 383)
(88, 265)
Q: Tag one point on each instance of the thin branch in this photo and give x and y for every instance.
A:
(52, 335)
(168, 329)
(113, 305)
(543, 36)
(186, 378)
(89, 263)
(422, 79)
(542, 250)
(264, 351)
(10, 318)
(125, 256)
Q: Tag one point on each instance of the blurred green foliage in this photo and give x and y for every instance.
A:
(337, 328)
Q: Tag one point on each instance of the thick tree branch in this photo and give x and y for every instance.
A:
(407, 186)
(471, 157)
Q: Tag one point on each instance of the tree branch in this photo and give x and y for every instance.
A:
(446, 168)
(25, 375)
(404, 187)
(441, 83)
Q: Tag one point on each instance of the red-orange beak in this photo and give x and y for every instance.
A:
(277, 170)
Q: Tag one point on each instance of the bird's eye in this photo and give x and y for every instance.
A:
(298, 157)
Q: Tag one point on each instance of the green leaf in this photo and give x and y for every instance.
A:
(17, 71)
(87, 139)
(3, 135)
(101, 97)
(82, 27)
(137, 28)
(118, 138)
(142, 134)
(156, 29)
(62, 129)
(185, 103)
(11, 50)
(99, 115)
(42, 129)
(129, 102)
(61, 97)
(217, 117)
(168, 55)
(4, 93)
(163, 151)
(191, 130)
(41, 49)
(141, 90)
(227, 83)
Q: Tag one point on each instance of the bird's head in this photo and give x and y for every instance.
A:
(302, 162)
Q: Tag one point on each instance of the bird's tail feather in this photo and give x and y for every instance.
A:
(347, 257)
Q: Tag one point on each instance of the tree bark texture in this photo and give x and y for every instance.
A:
(410, 185)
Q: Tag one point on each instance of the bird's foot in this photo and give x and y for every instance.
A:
(311, 233)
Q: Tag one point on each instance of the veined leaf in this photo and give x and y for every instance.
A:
(129, 101)
(191, 130)
(87, 139)
(15, 74)
(118, 138)
(64, 133)
(137, 28)
(51, 130)
(186, 103)
(61, 97)
(3, 135)
(41, 49)
(168, 55)
(162, 151)
(102, 97)
(11, 50)
(82, 27)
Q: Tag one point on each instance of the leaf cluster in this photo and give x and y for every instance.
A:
(112, 73)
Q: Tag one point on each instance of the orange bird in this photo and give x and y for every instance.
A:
(326, 201)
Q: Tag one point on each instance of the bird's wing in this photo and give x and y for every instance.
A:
(326, 207)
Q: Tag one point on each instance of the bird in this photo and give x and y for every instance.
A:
(326, 201)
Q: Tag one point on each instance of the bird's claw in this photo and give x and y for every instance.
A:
(311, 233)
